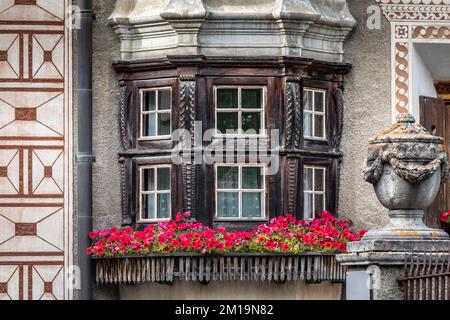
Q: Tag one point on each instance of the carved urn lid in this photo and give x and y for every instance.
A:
(406, 129)
(409, 148)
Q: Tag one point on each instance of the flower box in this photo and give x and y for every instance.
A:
(279, 268)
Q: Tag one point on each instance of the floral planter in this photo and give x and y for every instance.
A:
(309, 267)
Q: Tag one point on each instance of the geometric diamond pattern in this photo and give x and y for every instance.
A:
(35, 150)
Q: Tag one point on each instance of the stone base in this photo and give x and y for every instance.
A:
(398, 246)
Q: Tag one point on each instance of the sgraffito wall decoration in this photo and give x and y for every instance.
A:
(412, 21)
(35, 150)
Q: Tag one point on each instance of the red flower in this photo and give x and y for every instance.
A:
(178, 217)
(445, 216)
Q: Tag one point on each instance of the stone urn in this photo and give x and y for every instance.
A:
(406, 165)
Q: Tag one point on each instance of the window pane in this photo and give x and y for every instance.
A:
(164, 124)
(308, 179)
(318, 126)
(307, 206)
(227, 98)
(148, 206)
(251, 121)
(149, 101)
(163, 179)
(318, 102)
(227, 177)
(227, 204)
(251, 178)
(252, 98)
(148, 180)
(318, 182)
(252, 204)
(307, 125)
(149, 125)
(308, 100)
(163, 206)
(227, 121)
(164, 100)
(318, 204)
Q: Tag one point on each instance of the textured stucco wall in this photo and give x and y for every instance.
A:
(106, 141)
(367, 112)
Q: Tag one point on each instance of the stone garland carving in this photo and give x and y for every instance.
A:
(402, 143)
(294, 116)
(187, 121)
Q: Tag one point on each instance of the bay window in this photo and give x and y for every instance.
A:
(314, 191)
(314, 114)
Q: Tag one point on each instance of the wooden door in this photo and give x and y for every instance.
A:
(434, 116)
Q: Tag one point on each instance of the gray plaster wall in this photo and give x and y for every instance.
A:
(367, 112)
(106, 141)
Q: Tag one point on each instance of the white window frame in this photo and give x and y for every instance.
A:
(313, 113)
(240, 191)
(156, 112)
(313, 192)
(239, 110)
(155, 193)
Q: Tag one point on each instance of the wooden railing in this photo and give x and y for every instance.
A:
(427, 276)
(312, 267)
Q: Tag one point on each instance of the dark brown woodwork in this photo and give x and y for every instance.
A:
(434, 116)
(192, 80)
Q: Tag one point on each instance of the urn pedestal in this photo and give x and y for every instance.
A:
(406, 166)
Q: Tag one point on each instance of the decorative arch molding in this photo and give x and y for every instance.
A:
(412, 21)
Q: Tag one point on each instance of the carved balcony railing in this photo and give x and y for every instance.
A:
(279, 268)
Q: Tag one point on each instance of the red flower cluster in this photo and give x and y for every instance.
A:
(445, 216)
(282, 234)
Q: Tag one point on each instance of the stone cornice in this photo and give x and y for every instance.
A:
(151, 29)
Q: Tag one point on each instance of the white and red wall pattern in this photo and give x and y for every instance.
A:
(35, 150)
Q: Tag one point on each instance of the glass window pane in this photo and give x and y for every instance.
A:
(318, 204)
(308, 100)
(307, 125)
(148, 206)
(164, 124)
(308, 179)
(163, 179)
(251, 178)
(227, 121)
(307, 206)
(252, 204)
(163, 206)
(164, 100)
(318, 180)
(149, 125)
(227, 177)
(149, 101)
(252, 98)
(318, 126)
(318, 101)
(227, 98)
(227, 204)
(251, 121)
(148, 180)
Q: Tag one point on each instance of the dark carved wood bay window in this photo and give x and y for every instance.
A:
(236, 104)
